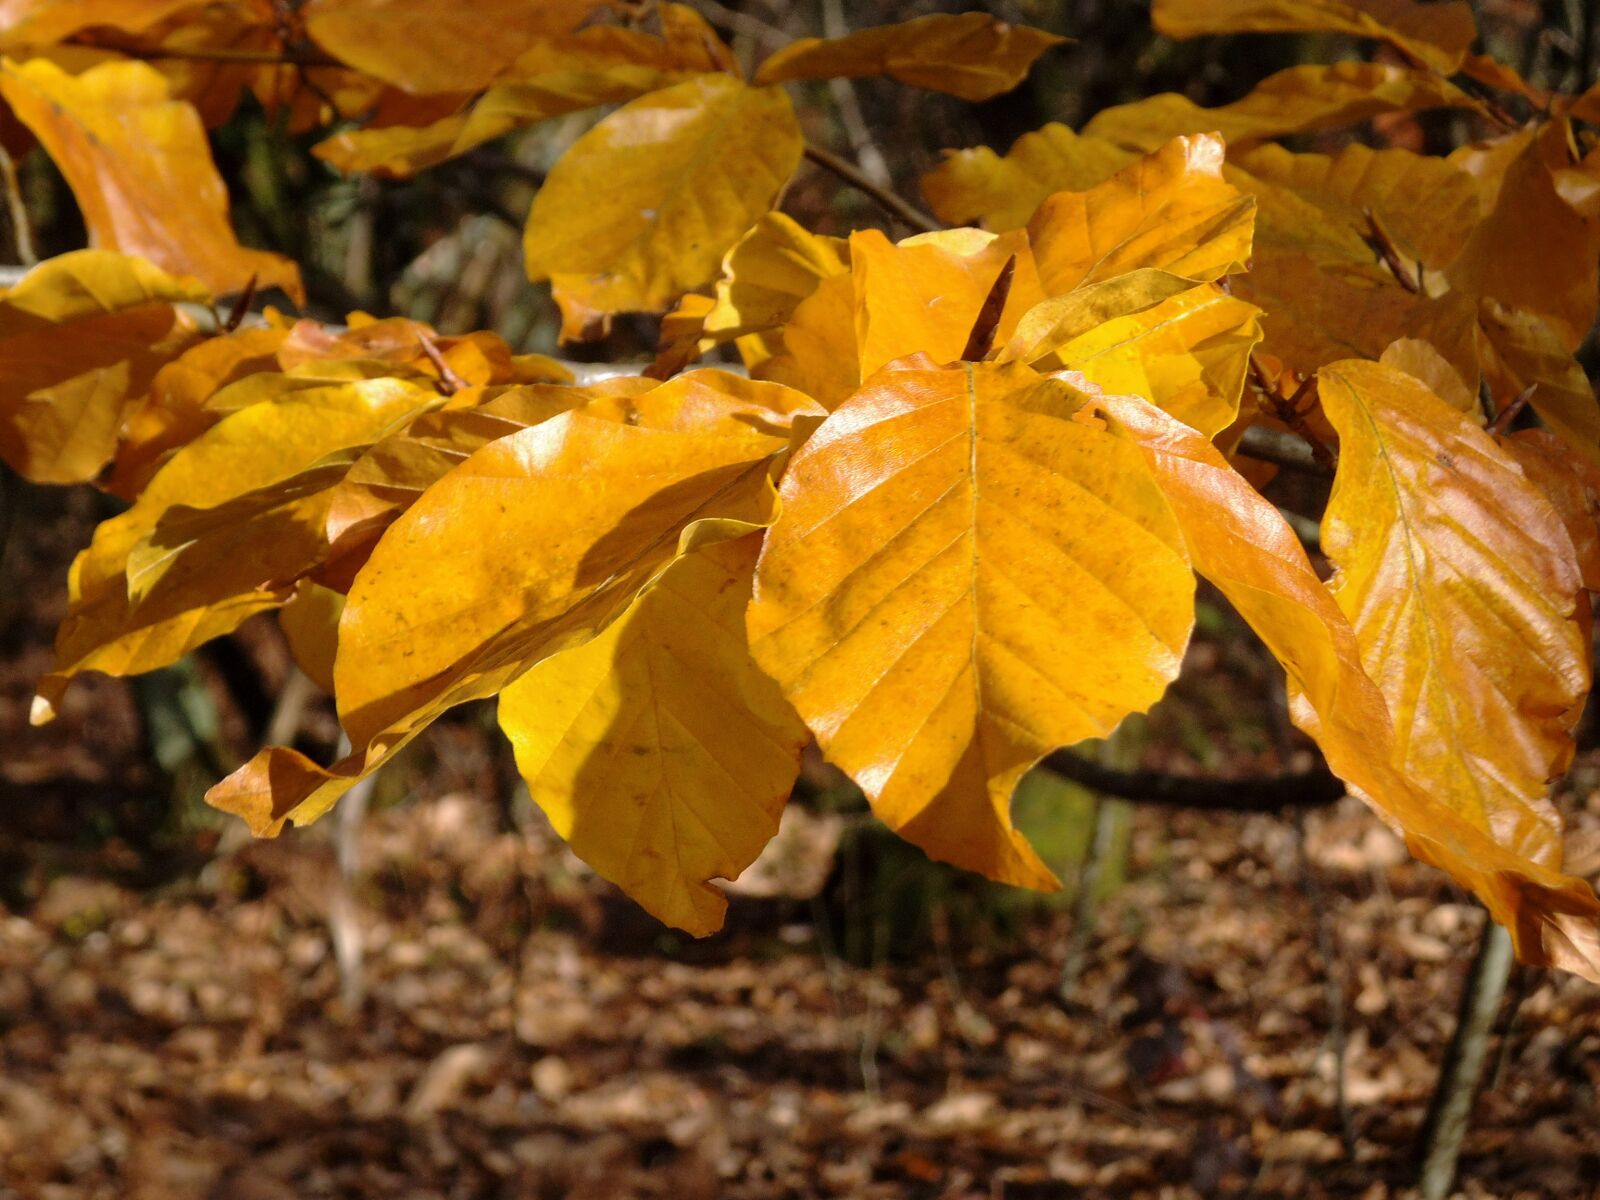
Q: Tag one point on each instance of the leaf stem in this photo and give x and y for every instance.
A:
(895, 205)
(21, 229)
(1305, 789)
(263, 58)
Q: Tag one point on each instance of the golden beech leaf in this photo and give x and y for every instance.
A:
(923, 294)
(140, 168)
(1054, 322)
(768, 273)
(423, 46)
(1170, 210)
(969, 571)
(1572, 485)
(560, 74)
(1428, 206)
(1534, 250)
(1524, 350)
(44, 22)
(310, 623)
(1423, 362)
(1189, 355)
(817, 352)
(1296, 100)
(251, 482)
(970, 55)
(389, 477)
(1002, 192)
(691, 40)
(81, 337)
(1242, 544)
(175, 410)
(1433, 35)
(642, 207)
(587, 507)
(659, 750)
(1484, 681)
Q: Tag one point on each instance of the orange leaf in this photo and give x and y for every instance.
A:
(140, 169)
(970, 55)
(1434, 35)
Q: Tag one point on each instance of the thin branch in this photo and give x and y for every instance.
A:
(1305, 789)
(856, 131)
(1378, 237)
(751, 27)
(896, 206)
(260, 58)
(1288, 411)
(21, 229)
(449, 382)
(1503, 418)
(1287, 450)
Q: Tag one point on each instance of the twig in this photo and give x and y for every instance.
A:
(1378, 237)
(21, 229)
(1288, 411)
(751, 27)
(1451, 1109)
(1304, 789)
(856, 131)
(1287, 450)
(896, 206)
(1503, 418)
(263, 58)
(449, 382)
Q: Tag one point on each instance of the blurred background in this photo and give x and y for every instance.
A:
(436, 999)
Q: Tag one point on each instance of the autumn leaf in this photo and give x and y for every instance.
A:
(1189, 355)
(556, 75)
(768, 272)
(241, 483)
(1242, 544)
(969, 571)
(1484, 681)
(658, 750)
(1170, 210)
(1296, 100)
(140, 168)
(423, 46)
(1432, 35)
(587, 508)
(643, 206)
(1523, 350)
(45, 22)
(81, 337)
(310, 623)
(1002, 192)
(970, 55)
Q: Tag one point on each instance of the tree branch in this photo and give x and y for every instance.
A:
(1306, 789)
(896, 206)
(260, 58)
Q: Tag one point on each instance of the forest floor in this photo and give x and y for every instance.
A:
(516, 1029)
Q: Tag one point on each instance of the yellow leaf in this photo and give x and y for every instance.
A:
(176, 411)
(1572, 486)
(1001, 193)
(1189, 355)
(1459, 579)
(1420, 360)
(310, 623)
(140, 168)
(389, 477)
(1296, 100)
(817, 352)
(768, 273)
(1170, 210)
(241, 484)
(1432, 35)
(922, 295)
(1534, 250)
(1427, 205)
(423, 46)
(560, 74)
(969, 571)
(584, 509)
(1240, 542)
(81, 336)
(1054, 322)
(659, 750)
(1523, 350)
(643, 206)
(970, 55)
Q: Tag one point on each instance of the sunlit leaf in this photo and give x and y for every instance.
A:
(1002, 192)
(644, 205)
(43, 22)
(971, 55)
(238, 509)
(1524, 350)
(310, 623)
(969, 571)
(659, 750)
(1296, 100)
(1241, 543)
(769, 272)
(1170, 210)
(423, 46)
(81, 337)
(1189, 355)
(531, 546)
(1434, 35)
(140, 168)
(1459, 580)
